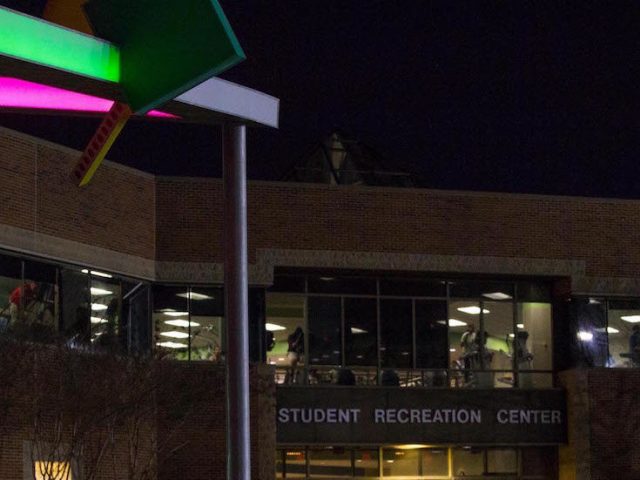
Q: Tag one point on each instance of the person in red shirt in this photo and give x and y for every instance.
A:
(21, 297)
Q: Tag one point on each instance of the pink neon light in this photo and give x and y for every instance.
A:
(16, 93)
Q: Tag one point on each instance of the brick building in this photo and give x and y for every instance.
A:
(444, 334)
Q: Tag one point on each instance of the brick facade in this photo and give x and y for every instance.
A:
(180, 219)
(603, 424)
(166, 425)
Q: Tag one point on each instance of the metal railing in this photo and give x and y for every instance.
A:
(325, 375)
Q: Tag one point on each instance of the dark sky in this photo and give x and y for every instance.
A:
(509, 96)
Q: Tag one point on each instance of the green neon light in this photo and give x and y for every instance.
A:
(38, 41)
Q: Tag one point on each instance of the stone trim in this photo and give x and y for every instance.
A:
(69, 251)
(269, 259)
(605, 286)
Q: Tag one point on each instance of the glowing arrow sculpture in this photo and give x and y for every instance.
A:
(153, 50)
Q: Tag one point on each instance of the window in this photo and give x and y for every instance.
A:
(361, 331)
(396, 347)
(325, 330)
(52, 470)
(188, 322)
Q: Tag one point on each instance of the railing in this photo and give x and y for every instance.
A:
(412, 378)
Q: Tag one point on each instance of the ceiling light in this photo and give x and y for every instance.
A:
(98, 320)
(194, 296)
(512, 335)
(172, 345)
(631, 318)
(456, 323)
(593, 301)
(358, 330)
(176, 314)
(97, 307)
(452, 350)
(472, 310)
(585, 336)
(520, 325)
(327, 279)
(608, 330)
(100, 291)
(174, 334)
(281, 359)
(410, 446)
(273, 327)
(97, 274)
(182, 323)
(497, 296)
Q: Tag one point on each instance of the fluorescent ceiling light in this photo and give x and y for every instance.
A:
(585, 336)
(593, 301)
(608, 330)
(98, 320)
(176, 314)
(456, 323)
(520, 325)
(194, 296)
(497, 296)
(327, 279)
(410, 446)
(512, 335)
(281, 359)
(98, 274)
(472, 310)
(100, 291)
(273, 327)
(182, 323)
(98, 307)
(452, 350)
(631, 318)
(358, 330)
(172, 344)
(174, 334)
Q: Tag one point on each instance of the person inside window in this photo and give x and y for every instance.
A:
(21, 301)
(470, 351)
(634, 346)
(295, 351)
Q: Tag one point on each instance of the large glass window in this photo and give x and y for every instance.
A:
(11, 300)
(588, 335)
(361, 331)
(188, 322)
(171, 321)
(396, 333)
(533, 343)
(398, 462)
(417, 462)
(206, 323)
(106, 312)
(330, 463)
(325, 330)
(432, 347)
(415, 332)
(623, 332)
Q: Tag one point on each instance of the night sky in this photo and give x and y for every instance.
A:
(520, 96)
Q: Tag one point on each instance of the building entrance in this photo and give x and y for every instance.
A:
(417, 462)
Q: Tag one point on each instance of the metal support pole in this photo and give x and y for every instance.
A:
(236, 301)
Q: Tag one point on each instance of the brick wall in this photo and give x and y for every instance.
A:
(167, 416)
(193, 442)
(364, 219)
(603, 424)
(180, 219)
(116, 211)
